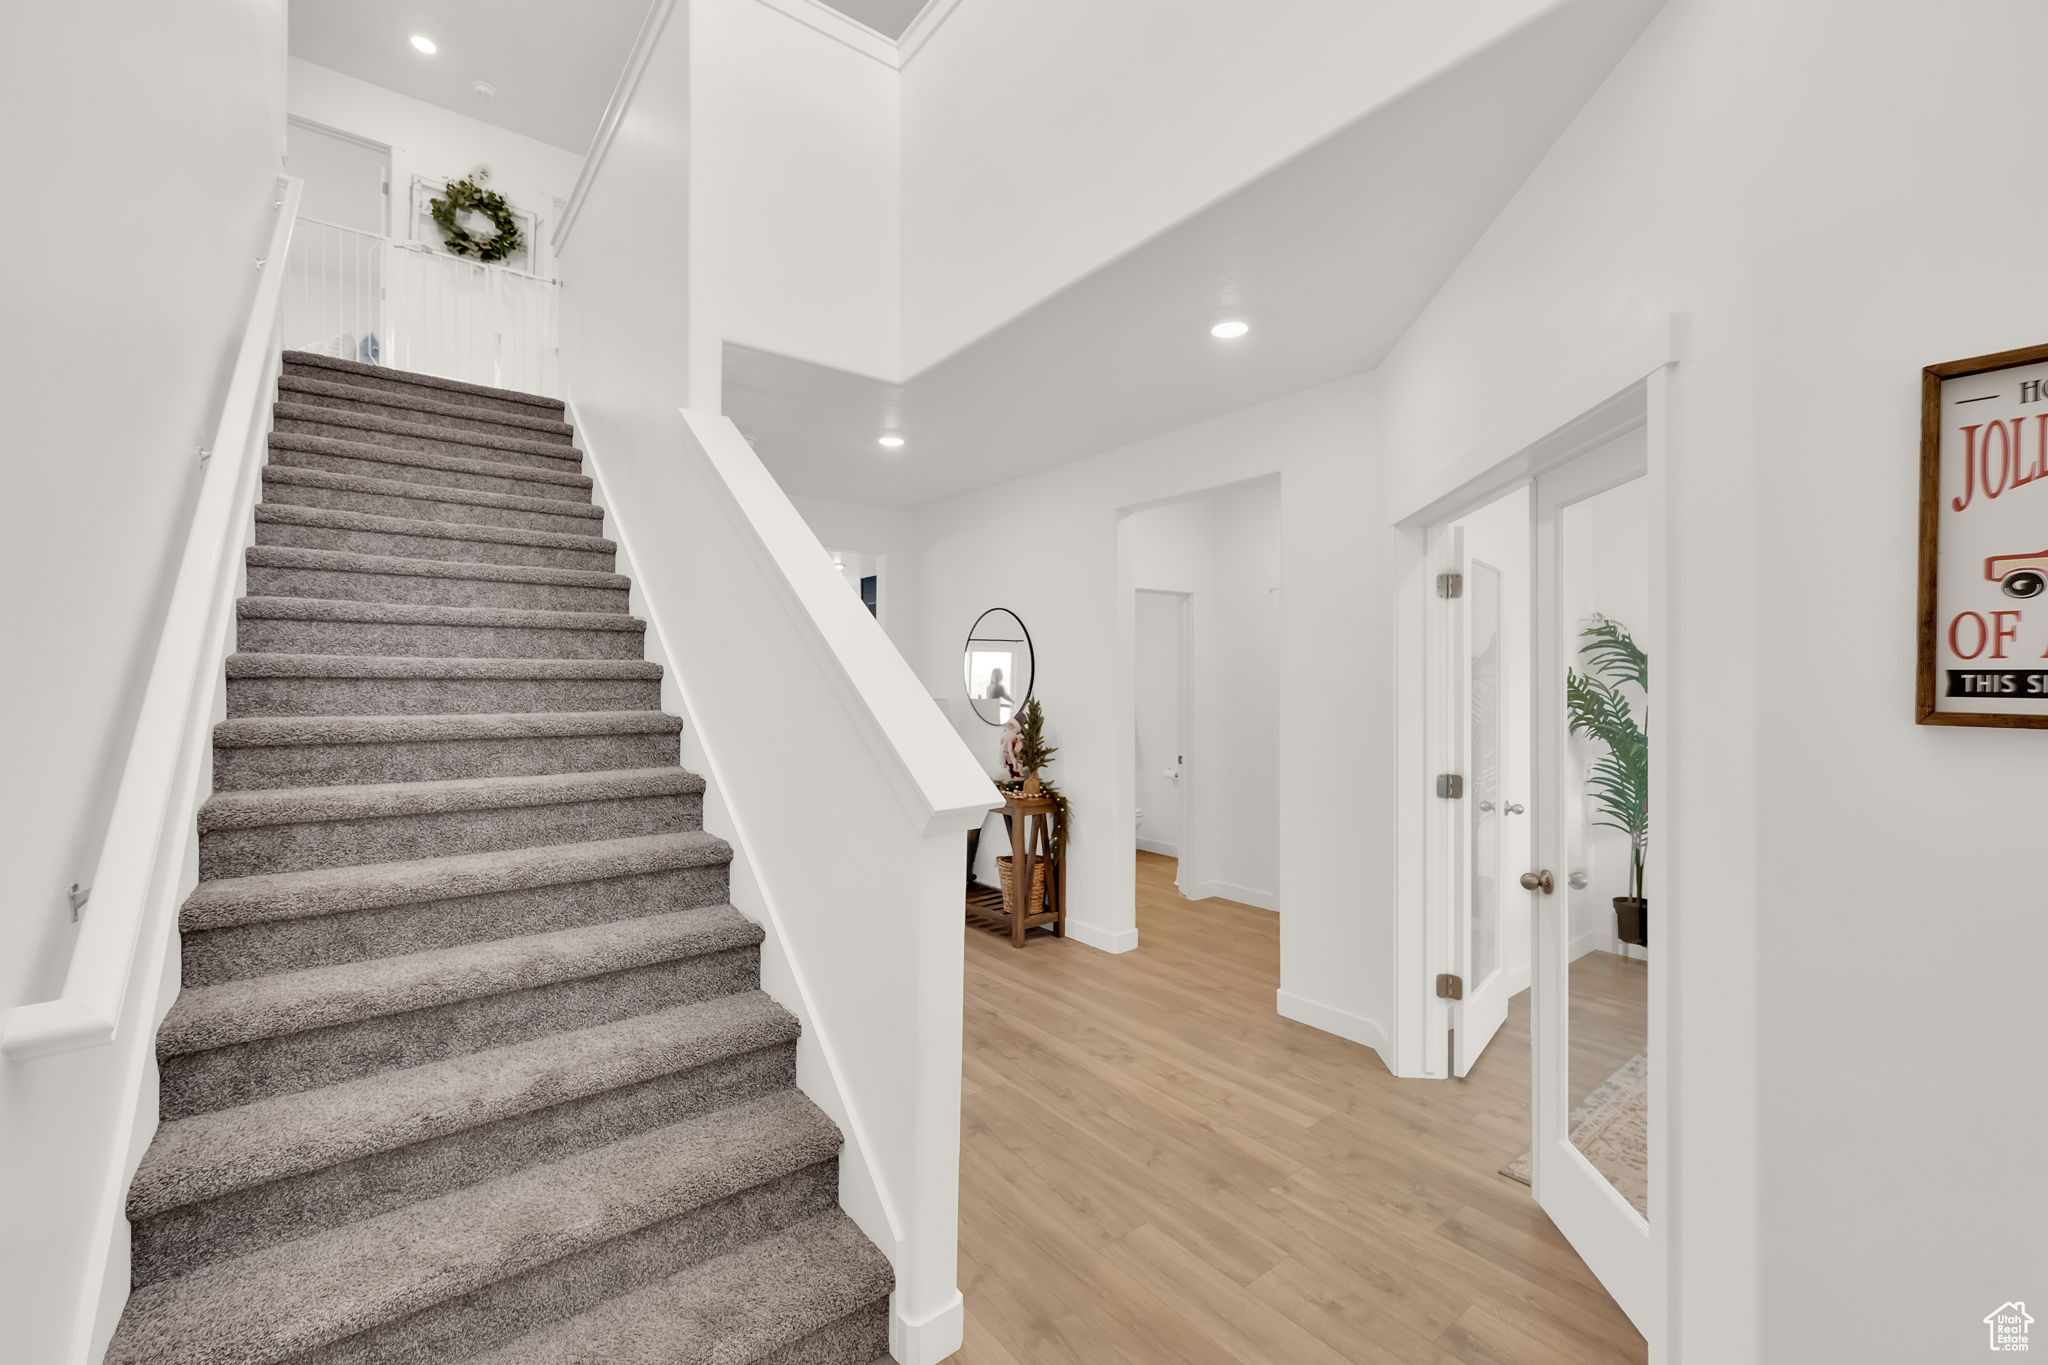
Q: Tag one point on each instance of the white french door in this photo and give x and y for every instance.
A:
(1480, 686)
(1587, 557)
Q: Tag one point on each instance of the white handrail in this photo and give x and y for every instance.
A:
(142, 856)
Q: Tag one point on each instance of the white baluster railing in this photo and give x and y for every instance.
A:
(361, 296)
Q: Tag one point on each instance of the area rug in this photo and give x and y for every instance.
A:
(1611, 1128)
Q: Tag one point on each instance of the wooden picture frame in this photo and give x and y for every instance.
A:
(1970, 599)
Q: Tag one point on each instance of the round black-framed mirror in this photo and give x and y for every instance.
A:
(998, 665)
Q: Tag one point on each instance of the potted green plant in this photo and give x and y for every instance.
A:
(1620, 778)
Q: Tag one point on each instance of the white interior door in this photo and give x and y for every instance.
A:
(1589, 556)
(1480, 948)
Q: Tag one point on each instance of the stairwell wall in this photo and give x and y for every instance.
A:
(116, 356)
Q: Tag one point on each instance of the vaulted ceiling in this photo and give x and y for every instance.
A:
(553, 65)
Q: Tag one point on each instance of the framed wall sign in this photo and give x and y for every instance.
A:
(1984, 541)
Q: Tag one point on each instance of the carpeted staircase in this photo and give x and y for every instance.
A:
(471, 1061)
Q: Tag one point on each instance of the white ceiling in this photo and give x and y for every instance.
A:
(886, 17)
(1330, 257)
(554, 64)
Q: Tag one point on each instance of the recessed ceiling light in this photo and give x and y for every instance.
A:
(423, 43)
(1228, 331)
(892, 442)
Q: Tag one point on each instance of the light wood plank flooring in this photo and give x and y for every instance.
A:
(1157, 1169)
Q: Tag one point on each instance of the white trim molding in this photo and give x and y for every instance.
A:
(1231, 891)
(1108, 940)
(1354, 1027)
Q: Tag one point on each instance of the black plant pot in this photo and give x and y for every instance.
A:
(1632, 920)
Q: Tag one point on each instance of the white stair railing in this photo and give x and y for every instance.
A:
(366, 297)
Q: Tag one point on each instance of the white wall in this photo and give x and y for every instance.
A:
(1858, 1107)
(1062, 575)
(427, 140)
(115, 357)
(1223, 548)
(794, 165)
(889, 534)
(1044, 138)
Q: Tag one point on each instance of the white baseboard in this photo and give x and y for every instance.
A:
(1604, 941)
(1159, 846)
(1230, 891)
(931, 1340)
(1355, 1027)
(1109, 941)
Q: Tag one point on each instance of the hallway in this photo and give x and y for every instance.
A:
(1158, 1168)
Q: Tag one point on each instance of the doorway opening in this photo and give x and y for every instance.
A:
(1205, 575)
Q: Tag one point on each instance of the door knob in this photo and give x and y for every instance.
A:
(1486, 805)
(1516, 808)
(1539, 881)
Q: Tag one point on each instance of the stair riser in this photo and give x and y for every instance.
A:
(363, 639)
(476, 423)
(267, 580)
(333, 765)
(498, 1313)
(210, 957)
(485, 450)
(395, 383)
(431, 547)
(437, 696)
(426, 507)
(859, 1338)
(369, 467)
(185, 1239)
(200, 1082)
(312, 844)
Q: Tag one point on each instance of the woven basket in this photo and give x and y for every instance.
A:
(1005, 865)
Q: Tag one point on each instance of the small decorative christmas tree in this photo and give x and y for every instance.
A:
(1033, 753)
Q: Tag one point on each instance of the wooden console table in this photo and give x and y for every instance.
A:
(1034, 824)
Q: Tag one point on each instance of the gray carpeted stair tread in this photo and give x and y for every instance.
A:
(341, 371)
(316, 751)
(263, 731)
(348, 561)
(420, 614)
(735, 1310)
(356, 427)
(285, 1300)
(230, 901)
(424, 408)
(284, 478)
(434, 468)
(208, 1017)
(458, 533)
(292, 682)
(375, 666)
(304, 805)
(210, 1155)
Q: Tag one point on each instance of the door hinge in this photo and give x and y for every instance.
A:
(1450, 585)
(1449, 987)
(1450, 786)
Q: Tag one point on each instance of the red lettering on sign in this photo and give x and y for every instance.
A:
(1955, 643)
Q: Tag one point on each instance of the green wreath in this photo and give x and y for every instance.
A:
(468, 196)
